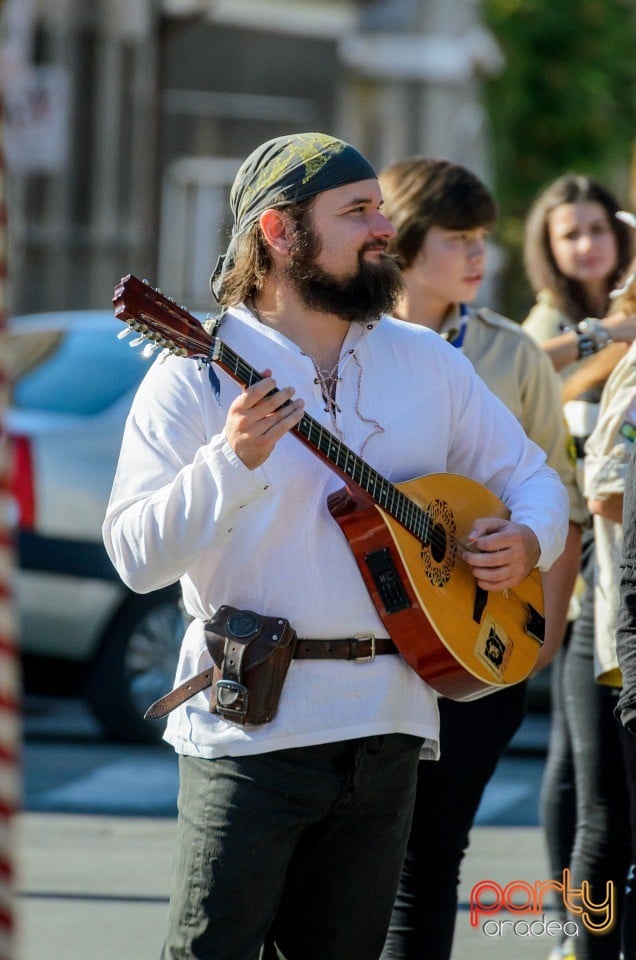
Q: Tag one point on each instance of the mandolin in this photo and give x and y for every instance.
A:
(405, 537)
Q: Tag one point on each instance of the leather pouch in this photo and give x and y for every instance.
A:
(251, 655)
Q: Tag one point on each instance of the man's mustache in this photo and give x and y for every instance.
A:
(374, 245)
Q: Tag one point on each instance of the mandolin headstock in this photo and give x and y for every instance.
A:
(159, 320)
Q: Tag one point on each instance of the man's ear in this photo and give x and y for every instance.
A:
(277, 229)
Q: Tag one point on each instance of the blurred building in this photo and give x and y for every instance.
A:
(126, 120)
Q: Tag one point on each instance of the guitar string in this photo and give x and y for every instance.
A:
(410, 509)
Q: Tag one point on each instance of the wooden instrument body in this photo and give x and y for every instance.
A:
(460, 639)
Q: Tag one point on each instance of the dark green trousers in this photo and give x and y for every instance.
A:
(304, 846)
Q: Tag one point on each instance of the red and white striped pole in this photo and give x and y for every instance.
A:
(10, 725)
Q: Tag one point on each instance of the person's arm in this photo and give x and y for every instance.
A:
(608, 448)
(186, 469)
(562, 350)
(490, 446)
(611, 508)
(626, 622)
(538, 406)
(609, 479)
(566, 347)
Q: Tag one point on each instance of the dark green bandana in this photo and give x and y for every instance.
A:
(287, 170)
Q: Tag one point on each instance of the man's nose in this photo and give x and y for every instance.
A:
(381, 227)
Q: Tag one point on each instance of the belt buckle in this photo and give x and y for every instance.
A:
(231, 698)
(370, 638)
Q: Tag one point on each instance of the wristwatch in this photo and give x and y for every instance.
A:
(592, 337)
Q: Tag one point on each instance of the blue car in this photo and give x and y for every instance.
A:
(74, 383)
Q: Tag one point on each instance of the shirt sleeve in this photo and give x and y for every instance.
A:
(178, 481)
(490, 445)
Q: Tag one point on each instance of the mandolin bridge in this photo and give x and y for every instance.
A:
(387, 580)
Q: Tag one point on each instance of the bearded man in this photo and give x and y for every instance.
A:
(292, 830)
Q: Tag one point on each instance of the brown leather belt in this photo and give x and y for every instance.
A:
(362, 649)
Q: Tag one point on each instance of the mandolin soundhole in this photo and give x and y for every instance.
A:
(439, 549)
(438, 543)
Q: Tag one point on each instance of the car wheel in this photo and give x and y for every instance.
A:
(136, 664)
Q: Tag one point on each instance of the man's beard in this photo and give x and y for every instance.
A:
(374, 288)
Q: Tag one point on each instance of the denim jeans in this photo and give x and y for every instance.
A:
(306, 843)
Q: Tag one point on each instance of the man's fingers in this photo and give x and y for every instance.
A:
(282, 421)
(258, 417)
(487, 558)
(263, 391)
(484, 526)
(500, 553)
(500, 576)
(262, 422)
(261, 401)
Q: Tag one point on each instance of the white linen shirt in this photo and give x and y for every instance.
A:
(184, 506)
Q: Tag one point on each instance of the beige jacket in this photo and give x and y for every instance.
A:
(607, 454)
(546, 321)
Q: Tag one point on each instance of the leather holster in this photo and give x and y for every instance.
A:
(251, 655)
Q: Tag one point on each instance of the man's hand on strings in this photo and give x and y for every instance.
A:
(256, 420)
(500, 553)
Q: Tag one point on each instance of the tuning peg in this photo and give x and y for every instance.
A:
(124, 333)
(149, 349)
(163, 356)
(136, 342)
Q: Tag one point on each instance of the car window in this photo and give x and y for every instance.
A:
(84, 373)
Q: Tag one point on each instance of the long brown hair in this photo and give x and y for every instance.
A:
(540, 264)
(252, 262)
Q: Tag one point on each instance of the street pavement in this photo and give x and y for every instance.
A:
(94, 844)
